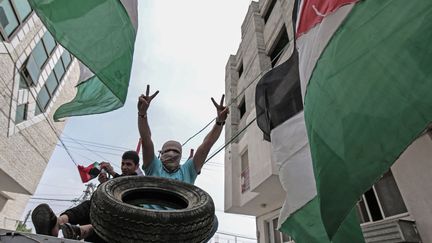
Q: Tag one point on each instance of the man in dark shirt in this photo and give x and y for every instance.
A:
(47, 223)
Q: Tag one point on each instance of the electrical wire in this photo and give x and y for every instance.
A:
(96, 143)
(230, 141)
(244, 90)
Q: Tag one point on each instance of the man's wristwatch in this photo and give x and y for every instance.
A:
(220, 123)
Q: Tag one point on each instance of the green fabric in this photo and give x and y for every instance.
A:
(100, 34)
(305, 226)
(368, 99)
(91, 94)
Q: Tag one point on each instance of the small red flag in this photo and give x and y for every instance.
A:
(89, 172)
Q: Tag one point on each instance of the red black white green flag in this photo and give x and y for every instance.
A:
(364, 70)
(90, 172)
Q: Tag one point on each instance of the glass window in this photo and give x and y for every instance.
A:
(278, 47)
(49, 42)
(362, 211)
(373, 205)
(23, 8)
(66, 57)
(269, 10)
(23, 83)
(51, 83)
(42, 100)
(39, 54)
(8, 20)
(32, 69)
(21, 113)
(59, 70)
(242, 108)
(240, 70)
(390, 196)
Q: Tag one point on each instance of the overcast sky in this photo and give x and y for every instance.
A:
(181, 50)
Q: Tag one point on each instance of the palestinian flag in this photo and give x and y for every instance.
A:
(90, 172)
(280, 116)
(364, 69)
(101, 35)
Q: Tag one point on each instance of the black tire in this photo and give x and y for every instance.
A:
(116, 219)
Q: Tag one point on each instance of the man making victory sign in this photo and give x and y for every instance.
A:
(168, 165)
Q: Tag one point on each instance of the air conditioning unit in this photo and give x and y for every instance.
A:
(391, 231)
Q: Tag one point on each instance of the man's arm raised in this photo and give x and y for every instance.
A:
(211, 138)
(143, 127)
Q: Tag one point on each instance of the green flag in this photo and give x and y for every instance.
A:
(100, 34)
(367, 69)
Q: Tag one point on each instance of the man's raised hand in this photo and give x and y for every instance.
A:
(144, 101)
(222, 111)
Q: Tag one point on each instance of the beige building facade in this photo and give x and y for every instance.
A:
(396, 209)
(36, 76)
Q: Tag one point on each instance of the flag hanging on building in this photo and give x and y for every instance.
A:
(365, 74)
(100, 34)
(367, 96)
(280, 116)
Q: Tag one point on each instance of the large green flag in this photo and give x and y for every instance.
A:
(365, 74)
(367, 69)
(100, 34)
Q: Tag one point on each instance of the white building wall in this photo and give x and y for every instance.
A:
(26, 148)
(413, 175)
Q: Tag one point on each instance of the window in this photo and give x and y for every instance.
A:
(23, 83)
(12, 14)
(269, 10)
(273, 234)
(66, 58)
(59, 70)
(295, 11)
(51, 83)
(21, 113)
(38, 59)
(31, 70)
(242, 108)
(245, 184)
(8, 19)
(39, 54)
(23, 8)
(383, 200)
(240, 70)
(42, 101)
(49, 42)
(280, 43)
(47, 92)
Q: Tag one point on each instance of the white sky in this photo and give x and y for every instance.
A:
(181, 50)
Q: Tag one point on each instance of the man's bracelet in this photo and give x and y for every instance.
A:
(220, 123)
(142, 115)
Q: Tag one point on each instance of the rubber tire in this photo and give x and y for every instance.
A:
(116, 221)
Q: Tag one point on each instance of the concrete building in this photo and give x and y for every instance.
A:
(36, 76)
(396, 209)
